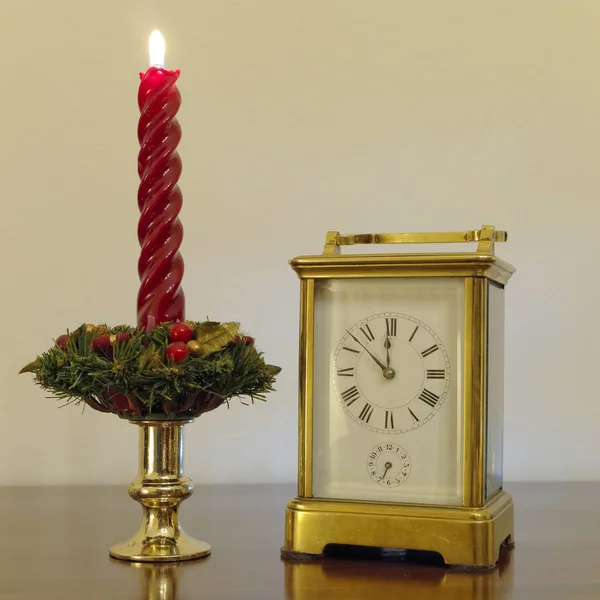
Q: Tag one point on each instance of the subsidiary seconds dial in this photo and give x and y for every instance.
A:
(391, 372)
(388, 465)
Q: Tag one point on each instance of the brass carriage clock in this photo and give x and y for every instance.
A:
(401, 399)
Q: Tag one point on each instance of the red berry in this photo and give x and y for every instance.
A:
(62, 340)
(177, 351)
(123, 337)
(102, 344)
(248, 340)
(180, 332)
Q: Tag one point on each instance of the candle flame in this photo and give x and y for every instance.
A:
(157, 49)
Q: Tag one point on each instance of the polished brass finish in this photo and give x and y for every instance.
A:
(463, 536)
(307, 336)
(438, 264)
(470, 535)
(486, 233)
(487, 237)
(160, 487)
(466, 264)
(481, 263)
(474, 468)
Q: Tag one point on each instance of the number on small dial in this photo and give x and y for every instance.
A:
(388, 465)
(391, 372)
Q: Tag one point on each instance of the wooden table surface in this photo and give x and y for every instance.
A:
(54, 545)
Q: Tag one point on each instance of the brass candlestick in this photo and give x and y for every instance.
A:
(160, 487)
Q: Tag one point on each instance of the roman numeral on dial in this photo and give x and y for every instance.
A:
(436, 374)
(366, 412)
(346, 372)
(350, 350)
(391, 326)
(410, 339)
(430, 350)
(389, 419)
(366, 331)
(351, 395)
(429, 397)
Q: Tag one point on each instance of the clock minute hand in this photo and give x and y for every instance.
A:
(381, 365)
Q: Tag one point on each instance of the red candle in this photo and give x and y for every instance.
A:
(160, 232)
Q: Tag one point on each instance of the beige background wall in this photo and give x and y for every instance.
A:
(298, 117)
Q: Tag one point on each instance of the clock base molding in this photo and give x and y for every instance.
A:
(463, 536)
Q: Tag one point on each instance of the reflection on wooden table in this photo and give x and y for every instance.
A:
(412, 576)
(356, 574)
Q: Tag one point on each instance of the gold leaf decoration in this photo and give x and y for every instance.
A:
(213, 336)
(30, 368)
(91, 329)
(150, 358)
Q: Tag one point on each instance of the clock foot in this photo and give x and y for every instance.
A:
(304, 556)
(472, 568)
(505, 548)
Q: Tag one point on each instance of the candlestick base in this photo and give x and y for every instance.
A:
(160, 487)
(141, 548)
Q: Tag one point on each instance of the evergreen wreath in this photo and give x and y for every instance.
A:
(170, 372)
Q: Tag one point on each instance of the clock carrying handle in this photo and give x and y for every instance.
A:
(486, 236)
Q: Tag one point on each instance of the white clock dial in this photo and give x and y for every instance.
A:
(391, 372)
(361, 401)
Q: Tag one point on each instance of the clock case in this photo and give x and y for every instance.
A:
(469, 535)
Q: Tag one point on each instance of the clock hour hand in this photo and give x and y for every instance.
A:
(388, 466)
(387, 345)
(388, 372)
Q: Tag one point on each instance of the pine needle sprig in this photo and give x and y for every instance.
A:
(131, 374)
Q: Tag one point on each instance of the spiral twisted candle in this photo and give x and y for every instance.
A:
(160, 232)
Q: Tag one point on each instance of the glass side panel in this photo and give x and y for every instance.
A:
(495, 389)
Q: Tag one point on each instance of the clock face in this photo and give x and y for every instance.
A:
(391, 372)
(387, 392)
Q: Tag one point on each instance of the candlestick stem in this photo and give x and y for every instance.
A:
(160, 487)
